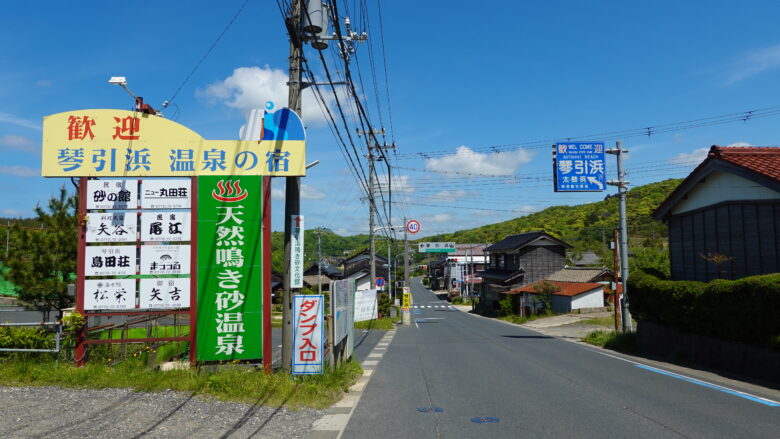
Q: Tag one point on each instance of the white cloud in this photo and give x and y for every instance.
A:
(20, 171)
(525, 209)
(13, 212)
(739, 144)
(308, 192)
(18, 121)
(252, 87)
(753, 63)
(440, 218)
(452, 195)
(467, 160)
(690, 158)
(19, 143)
(399, 183)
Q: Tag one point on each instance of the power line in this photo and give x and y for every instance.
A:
(649, 130)
(208, 52)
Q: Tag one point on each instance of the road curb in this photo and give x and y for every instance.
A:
(333, 424)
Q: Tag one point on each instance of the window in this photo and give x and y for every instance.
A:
(500, 260)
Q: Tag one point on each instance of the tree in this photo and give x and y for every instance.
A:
(43, 260)
(545, 291)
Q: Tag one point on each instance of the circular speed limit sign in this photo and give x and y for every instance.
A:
(413, 226)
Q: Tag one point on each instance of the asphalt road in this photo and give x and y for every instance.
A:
(536, 386)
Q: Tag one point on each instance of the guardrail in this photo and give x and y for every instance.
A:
(57, 336)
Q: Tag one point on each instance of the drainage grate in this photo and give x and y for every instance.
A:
(430, 409)
(484, 420)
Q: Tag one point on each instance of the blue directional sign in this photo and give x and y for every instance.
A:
(579, 167)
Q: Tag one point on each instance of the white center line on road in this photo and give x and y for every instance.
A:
(748, 396)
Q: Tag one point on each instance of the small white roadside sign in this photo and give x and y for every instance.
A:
(296, 251)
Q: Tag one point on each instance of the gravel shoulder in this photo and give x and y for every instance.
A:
(42, 412)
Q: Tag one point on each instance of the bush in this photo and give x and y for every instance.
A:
(383, 304)
(505, 306)
(742, 310)
(16, 337)
(617, 341)
(457, 300)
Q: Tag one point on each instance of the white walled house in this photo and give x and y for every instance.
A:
(569, 297)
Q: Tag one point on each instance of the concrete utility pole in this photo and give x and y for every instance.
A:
(622, 185)
(406, 255)
(292, 196)
(371, 201)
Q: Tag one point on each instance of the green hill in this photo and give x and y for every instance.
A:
(585, 226)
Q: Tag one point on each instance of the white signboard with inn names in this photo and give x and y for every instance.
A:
(165, 226)
(166, 194)
(112, 194)
(110, 260)
(109, 294)
(112, 227)
(165, 259)
(165, 293)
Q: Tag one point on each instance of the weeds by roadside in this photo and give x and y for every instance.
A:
(385, 324)
(616, 341)
(513, 318)
(236, 383)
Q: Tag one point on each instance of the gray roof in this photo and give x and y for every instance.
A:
(577, 274)
(584, 258)
(512, 242)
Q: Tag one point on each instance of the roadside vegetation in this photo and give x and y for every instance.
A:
(229, 383)
(384, 324)
(616, 341)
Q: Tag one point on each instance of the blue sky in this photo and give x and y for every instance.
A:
(463, 76)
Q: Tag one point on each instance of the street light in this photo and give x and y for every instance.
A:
(139, 101)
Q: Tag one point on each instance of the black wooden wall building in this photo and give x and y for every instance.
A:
(745, 233)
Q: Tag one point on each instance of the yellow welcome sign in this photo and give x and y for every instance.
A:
(119, 143)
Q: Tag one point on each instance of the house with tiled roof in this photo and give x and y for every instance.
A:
(518, 260)
(724, 218)
(569, 296)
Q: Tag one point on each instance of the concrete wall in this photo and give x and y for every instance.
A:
(591, 299)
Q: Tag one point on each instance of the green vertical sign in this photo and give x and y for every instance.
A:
(230, 268)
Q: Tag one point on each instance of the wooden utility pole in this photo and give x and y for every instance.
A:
(616, 266)
(292, 196)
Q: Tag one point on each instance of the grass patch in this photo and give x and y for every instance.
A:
(608, 321)
(234, 383)
(385, 323)
(616, 341)
(513, 318)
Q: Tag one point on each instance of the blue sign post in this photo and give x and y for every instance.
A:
(579, 167)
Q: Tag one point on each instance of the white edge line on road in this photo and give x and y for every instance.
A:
(338, 422)
(748, 396)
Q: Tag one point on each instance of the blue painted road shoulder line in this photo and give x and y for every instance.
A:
(757, 399)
